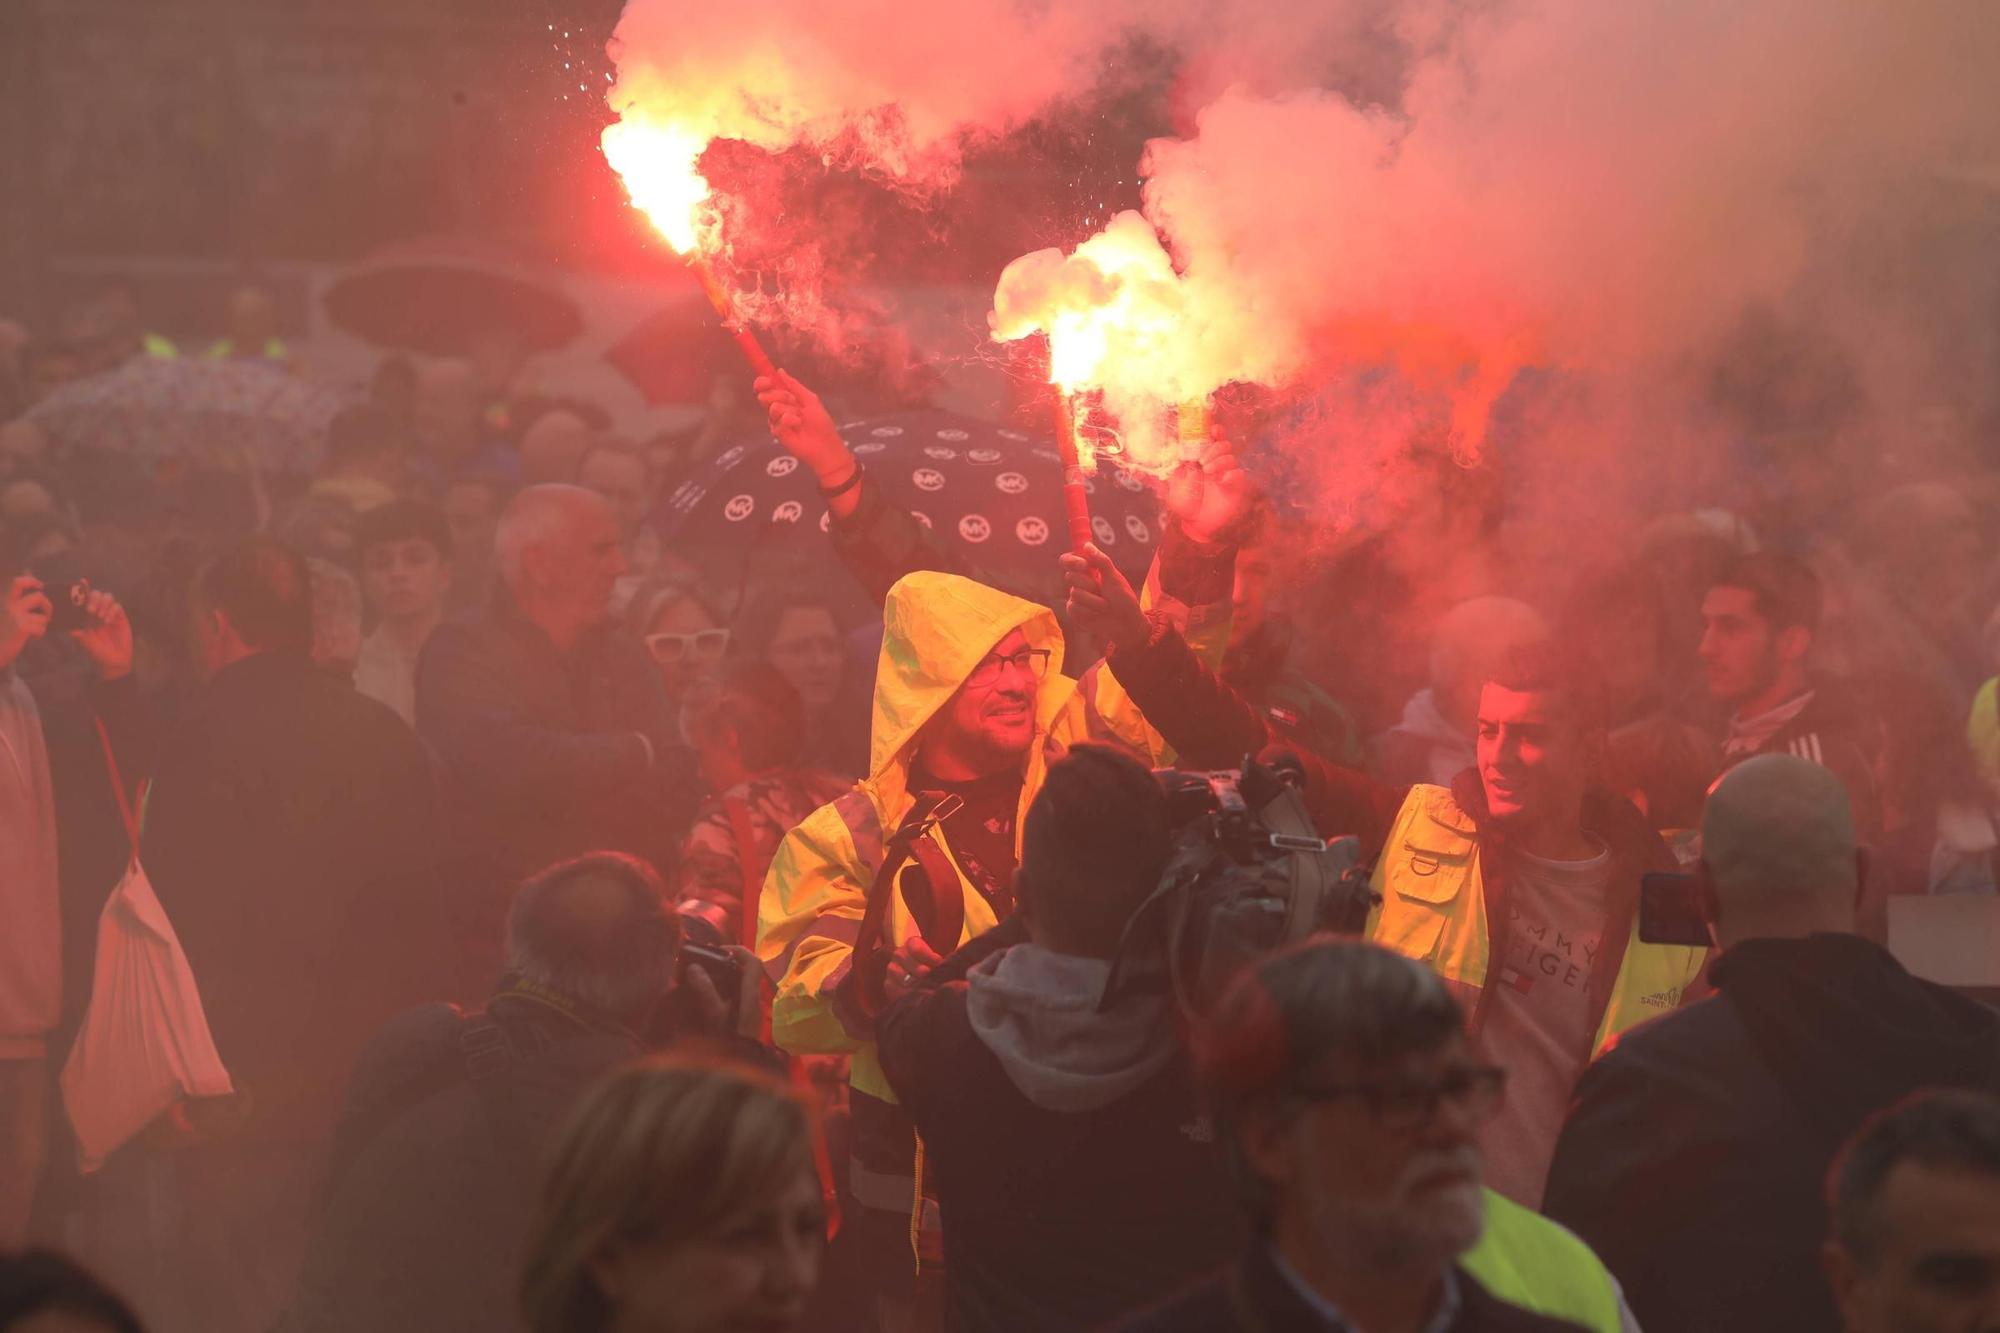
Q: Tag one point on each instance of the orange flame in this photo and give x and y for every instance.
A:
(1119, 318)
(657, 163)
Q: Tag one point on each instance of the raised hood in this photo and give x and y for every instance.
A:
(936, 628)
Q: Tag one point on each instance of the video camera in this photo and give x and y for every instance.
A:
(1248, 875)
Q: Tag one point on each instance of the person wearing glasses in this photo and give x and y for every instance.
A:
(1348, 1103)
(682, 634)
(971, 706)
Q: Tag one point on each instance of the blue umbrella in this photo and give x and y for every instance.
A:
(206, 412)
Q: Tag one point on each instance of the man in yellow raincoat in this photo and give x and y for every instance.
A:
(970, 705)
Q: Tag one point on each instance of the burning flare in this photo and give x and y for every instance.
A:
(657, 161)
(657, 164)
(1119, 319)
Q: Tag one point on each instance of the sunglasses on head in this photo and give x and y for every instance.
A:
(706, 644)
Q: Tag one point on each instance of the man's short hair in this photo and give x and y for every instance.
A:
(597, 930)
(537, 514)
(1324, 1004)
(1093, 846)
(400, 521)
(761, 706)
(1950, 1130)
(1785, 590)
(363, 431)
(263, 587)
(1551, 666)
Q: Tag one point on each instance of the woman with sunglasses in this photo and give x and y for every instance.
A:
(682, 634)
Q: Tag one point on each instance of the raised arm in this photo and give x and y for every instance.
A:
(879, 542)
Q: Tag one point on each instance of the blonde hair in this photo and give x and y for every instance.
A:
(662, 1151)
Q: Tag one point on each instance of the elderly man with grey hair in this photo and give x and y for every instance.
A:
(435, 1167)
(1348, 1100)
(551, 727)
(1693, 1154)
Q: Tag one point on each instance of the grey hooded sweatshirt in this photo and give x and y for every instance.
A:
(1077, 1178)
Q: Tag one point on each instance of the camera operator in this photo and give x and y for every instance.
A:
(435, 1164)
(1349, 1101)
(1695, 1147)
(1075, 1174)
(1518, 883)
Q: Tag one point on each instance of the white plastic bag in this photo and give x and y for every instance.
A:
(145, 1044)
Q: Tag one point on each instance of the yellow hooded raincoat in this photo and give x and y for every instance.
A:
(937, 627)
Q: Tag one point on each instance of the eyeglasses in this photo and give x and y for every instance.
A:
(1408, 1105)
(1034, 661)
(705, 645)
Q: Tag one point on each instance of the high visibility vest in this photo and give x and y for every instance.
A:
(1529, 1261)
(1433, 909)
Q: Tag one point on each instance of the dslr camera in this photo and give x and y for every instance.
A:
(1248, 874)
(705, 949)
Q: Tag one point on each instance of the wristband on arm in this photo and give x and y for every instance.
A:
(835, 492)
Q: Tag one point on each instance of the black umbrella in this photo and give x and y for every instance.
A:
(440, 297)
(992, 494)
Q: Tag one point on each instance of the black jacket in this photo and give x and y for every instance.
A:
(1835, 731)
(1254, 1297)
(291, 835)
(437, 1164)
(1055, 1220)
(542, 756)
(1694, 1155)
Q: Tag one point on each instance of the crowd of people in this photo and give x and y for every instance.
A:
(592, 945)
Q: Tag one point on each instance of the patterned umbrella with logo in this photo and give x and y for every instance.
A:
(994, 495)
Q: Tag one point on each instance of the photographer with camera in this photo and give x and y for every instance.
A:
(1694, 1151)
(1518, 883)
(436, 1161)
(62, 842)
(1075, 1173)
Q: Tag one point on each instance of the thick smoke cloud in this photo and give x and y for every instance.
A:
(1626, 194)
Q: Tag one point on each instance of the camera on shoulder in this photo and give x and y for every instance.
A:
(1248, 875)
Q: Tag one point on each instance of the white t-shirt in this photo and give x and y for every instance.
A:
(1539, 1023)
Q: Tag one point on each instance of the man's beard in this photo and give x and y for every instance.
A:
(1436, 1225)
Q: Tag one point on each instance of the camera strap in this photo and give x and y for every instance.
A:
(931, 892)
(1291, 831)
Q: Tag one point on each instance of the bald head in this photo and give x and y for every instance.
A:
(598, 930)
(1470, 642)
(553, 448)
(1778, 850)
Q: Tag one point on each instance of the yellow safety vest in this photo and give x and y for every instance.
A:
(1529, 1261)
(1433, 909)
